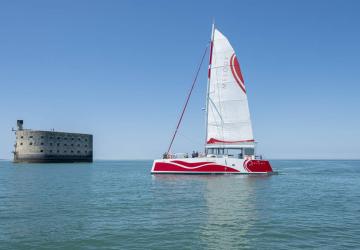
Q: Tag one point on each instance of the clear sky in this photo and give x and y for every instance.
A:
(121, 70)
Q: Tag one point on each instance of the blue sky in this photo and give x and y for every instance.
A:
(121, 71)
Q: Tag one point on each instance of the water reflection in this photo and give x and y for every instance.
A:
(231, 207)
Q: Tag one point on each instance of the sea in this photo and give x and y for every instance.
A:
(309, 204)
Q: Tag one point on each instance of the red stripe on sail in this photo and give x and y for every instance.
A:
(235, 69)
(214, 141)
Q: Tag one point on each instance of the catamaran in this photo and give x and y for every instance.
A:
(230, 145)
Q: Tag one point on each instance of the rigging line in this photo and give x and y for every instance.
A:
(217, 111)
(218, 77)
(187, 100)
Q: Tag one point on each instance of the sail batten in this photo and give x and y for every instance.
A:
(228, 116)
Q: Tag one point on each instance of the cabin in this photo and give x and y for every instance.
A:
(239, 151)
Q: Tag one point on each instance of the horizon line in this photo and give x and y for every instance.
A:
(284, 159)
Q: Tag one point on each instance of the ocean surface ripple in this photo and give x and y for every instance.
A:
(310, 204)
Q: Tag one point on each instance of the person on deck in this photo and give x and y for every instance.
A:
(193, 155)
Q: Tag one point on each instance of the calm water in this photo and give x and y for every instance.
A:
(119, 205)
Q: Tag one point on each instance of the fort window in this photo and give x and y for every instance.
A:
(42, 143)
(78, 145)
(50, 151)
(50, 144)
(85, 139)
(72, 151)
(85, 146)
(41, 150)
(21, 143)
(30, 143)
(78, 152)
(22, 137)
(30, 136)
(58, 144)
(42, 137)
(72, 139)
(79, 139)
(72, 145)
(65, 144)
(85, 151)
(65, 151)
(58, 138)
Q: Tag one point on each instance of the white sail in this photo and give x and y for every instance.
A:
(228, 117)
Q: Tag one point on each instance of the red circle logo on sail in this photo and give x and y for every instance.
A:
(235, 69)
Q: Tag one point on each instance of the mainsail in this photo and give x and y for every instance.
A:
(228, 117)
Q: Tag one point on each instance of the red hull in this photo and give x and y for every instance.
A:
(207, 167)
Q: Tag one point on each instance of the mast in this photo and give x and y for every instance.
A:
(208, 83)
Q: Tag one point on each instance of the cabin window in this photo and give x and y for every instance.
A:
(249, 151)
(216, 151)
(230, 152)
(234, 152)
